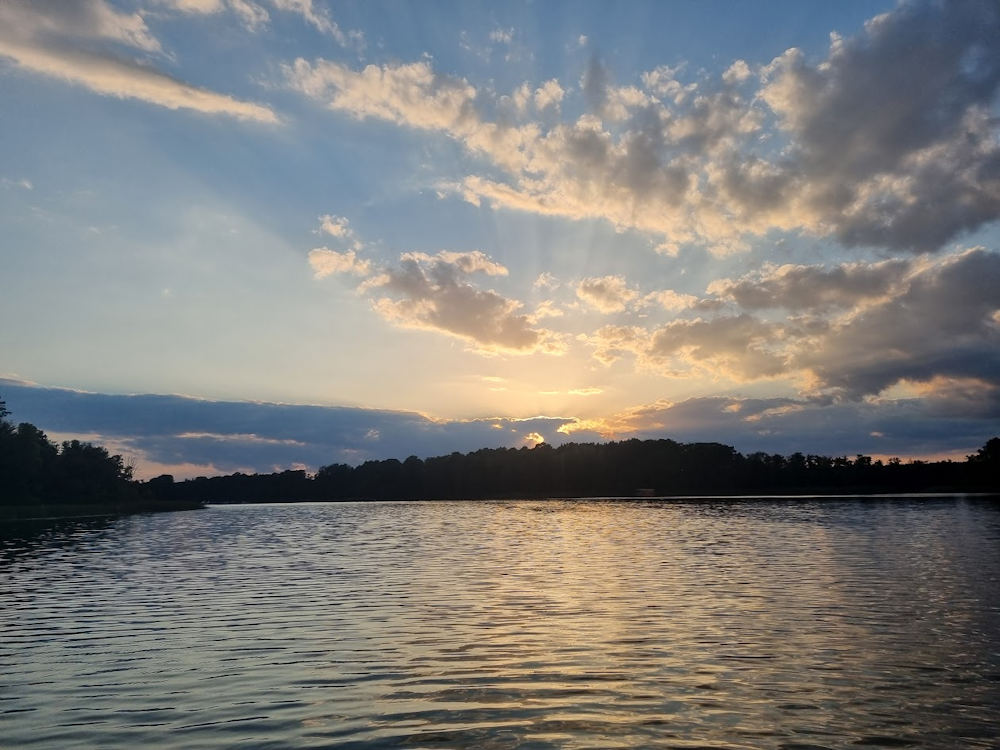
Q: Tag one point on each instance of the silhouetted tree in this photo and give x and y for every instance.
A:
(36, 472)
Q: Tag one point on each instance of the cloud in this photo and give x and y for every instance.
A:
(253, 16)
(189, 436)
(411, 94)
(941, 323)
(320, 19)
(165, 432)
(612, 342)
(549, 94)
(608, 294)
(738, 72)
(75, 19)
(23, 183)
(546, 280)
(202, 7)
(670, 300)
(738, 347)
(50, 39)
(893, 141)
(864, 328)
(467, 262)
(326, 262)
(910, 427)
(889, 141)
(433, 293)
(547, 309)
(335, 226)
(502, 36)
(798, 287)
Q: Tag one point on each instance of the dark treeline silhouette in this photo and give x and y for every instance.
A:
(38, 477)
(628, 468)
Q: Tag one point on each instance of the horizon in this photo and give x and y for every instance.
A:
(275, 234)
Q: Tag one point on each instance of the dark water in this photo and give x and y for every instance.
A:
(508, 624)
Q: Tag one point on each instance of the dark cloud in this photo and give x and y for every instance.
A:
(739, 344)
(811, 287)
(893, 140)
(905, 427)
(229, 436)
(595, 83)
(944, 323)
(232, 435)
(433, 292)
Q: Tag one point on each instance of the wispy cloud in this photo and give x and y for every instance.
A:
(48, 39)
(320, 19)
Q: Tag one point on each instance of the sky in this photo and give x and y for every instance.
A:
(251, 235)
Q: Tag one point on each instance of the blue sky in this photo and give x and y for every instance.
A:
(335, 231)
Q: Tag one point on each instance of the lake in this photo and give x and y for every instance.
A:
(818, 623)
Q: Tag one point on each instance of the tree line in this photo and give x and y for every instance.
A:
(613, 469)
(35, 474)
(41, 478)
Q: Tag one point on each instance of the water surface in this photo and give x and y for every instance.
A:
(818, 623)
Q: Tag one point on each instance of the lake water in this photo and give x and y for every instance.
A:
(808, 624)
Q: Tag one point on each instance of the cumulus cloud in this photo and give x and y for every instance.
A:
(741, 346)
(549, 94)
(670, 300)
(738, 347)
(546, 280)
(940, 323)
(890, 140)
(738, 72)
(547, 309)
(335, 226)
(467, 262)
(864, 328)
(608, 294)
(799, 287)
(57, 40)
(893, 142)
(434, 293)
(326, 262)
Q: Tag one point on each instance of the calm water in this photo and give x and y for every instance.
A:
(508, 624)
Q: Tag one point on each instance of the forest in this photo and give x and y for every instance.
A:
(615, 469)
(41, 479)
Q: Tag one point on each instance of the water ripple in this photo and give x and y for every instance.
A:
(818, 624)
